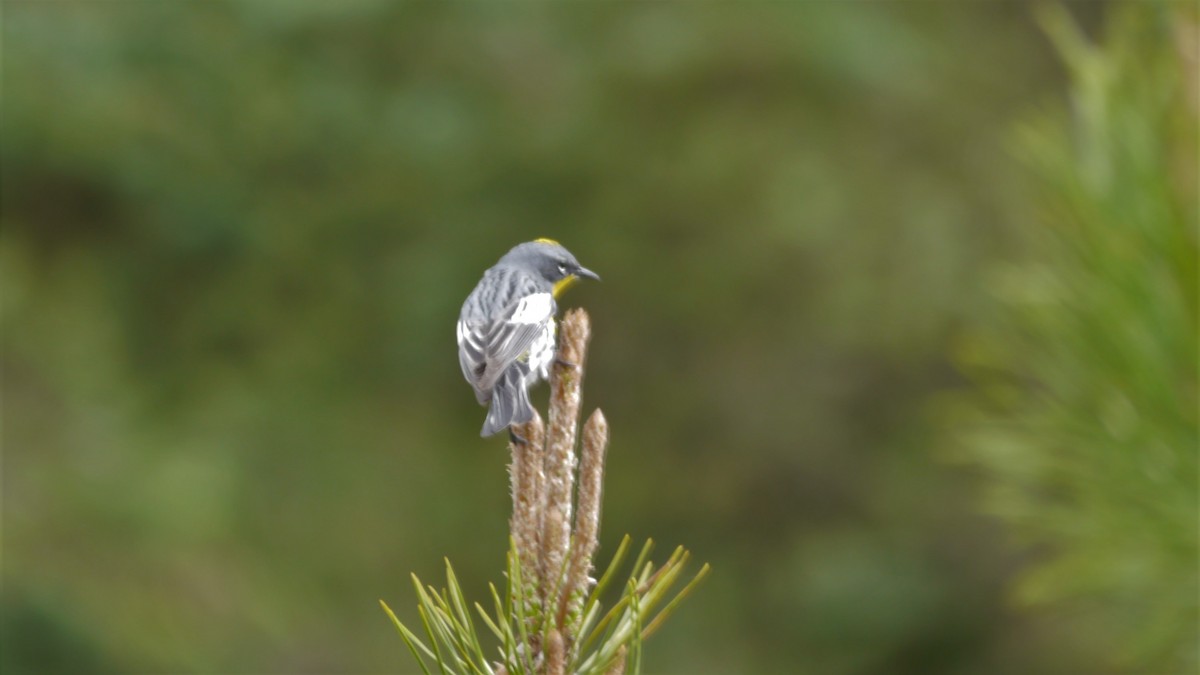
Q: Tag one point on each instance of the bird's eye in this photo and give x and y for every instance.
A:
(562, 268)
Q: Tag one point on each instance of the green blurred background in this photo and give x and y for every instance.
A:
(236, 237)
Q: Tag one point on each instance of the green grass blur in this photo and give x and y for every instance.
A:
(1097, 460)
(236, 236)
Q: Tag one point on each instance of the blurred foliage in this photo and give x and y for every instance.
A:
(235, 236)
(1087, 421)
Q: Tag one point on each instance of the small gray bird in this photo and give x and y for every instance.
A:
(506, 329)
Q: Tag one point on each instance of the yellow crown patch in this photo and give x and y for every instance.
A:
(544, 240)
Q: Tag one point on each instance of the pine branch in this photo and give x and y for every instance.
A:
(553, 622)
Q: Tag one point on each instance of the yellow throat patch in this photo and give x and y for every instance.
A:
(563, 284)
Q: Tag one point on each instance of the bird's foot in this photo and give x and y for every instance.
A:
(514, 437)
(565, 363)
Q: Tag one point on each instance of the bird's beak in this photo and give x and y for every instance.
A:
(585, 272)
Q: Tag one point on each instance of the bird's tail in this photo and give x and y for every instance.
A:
(510, 403)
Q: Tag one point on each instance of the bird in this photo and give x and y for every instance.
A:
(506, 330)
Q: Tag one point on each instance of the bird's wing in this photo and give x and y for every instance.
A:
(471, 355)
(487, 349)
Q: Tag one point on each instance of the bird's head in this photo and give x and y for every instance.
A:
(552, 261)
